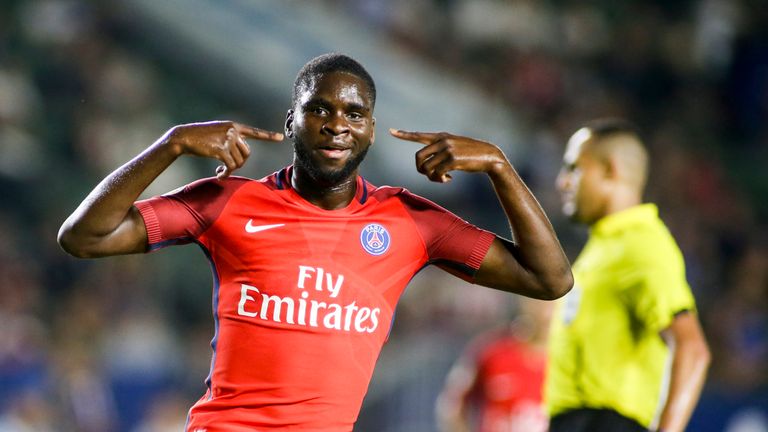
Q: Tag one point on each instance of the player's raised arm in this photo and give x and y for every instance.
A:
(533, 264)
(107, 223)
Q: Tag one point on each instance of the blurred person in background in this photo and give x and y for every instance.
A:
(309, 262)
(496, 385)
(741, 333)
(31, 411)
(630, 323)
(165, 414)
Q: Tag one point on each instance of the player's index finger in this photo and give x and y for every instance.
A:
(420, 137)
(254, 132)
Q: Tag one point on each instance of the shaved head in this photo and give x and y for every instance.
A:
(617, 141)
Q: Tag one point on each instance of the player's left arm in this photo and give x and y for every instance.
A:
(453, 402)
(691, 358)
(533, 264)
(452, 406)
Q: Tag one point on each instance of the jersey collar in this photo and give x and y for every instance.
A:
(618, 221)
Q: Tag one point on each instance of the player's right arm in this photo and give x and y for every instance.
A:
(107, 223)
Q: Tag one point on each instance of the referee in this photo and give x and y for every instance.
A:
(626, 349)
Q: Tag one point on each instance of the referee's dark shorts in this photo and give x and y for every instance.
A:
(593, 420)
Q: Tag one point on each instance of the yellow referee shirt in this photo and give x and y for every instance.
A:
(605, 350)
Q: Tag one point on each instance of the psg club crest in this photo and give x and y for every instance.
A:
(375, 239)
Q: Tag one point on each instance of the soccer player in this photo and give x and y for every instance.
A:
(496, 384)
(626, 350)
(309, 262)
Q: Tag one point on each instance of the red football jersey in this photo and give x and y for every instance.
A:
(303, 297)
(510, 375)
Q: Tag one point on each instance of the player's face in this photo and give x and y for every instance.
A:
(580, 181)
(332, 126)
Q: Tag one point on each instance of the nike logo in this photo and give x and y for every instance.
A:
(250, 228)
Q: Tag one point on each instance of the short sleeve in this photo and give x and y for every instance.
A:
(659, 289)
(181, 216)
(450, 240)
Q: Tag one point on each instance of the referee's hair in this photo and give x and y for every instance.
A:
(613, 137)
(608, 126)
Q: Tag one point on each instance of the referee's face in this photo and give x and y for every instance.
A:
(580, 181)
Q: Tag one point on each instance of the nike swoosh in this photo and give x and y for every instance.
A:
(250, 228)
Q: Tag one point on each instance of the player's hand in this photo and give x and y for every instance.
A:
(444, 152)
(221, 140)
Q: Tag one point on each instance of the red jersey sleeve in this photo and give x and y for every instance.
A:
(181, 216)
(451, 242)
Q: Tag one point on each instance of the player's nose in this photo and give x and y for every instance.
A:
(336, 125)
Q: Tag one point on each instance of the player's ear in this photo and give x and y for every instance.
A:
(289, 123)
(373, 129)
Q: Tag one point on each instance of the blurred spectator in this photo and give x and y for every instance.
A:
(85, 393)
(30, 412)
(496, 385)
(740, 324)
(20, 103)
(166, 413)
(24, 338)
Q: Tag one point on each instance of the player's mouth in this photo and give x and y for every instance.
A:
(334, 151)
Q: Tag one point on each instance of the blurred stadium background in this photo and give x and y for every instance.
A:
(122, 344)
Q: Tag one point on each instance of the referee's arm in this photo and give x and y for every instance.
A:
(691, 358)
